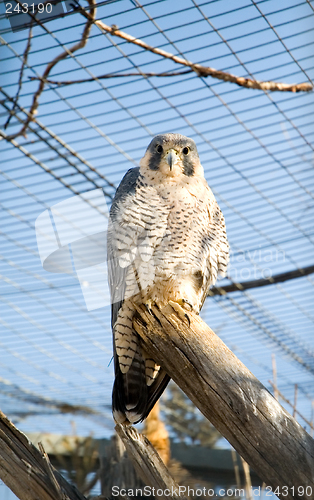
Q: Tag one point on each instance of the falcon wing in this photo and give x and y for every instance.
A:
(222, 242)
(131, 394)
(117, 274)
(218, 250)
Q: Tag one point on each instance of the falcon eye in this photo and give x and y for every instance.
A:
(159, 149)
(186, 150)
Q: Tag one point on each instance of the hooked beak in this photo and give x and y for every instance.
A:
(171, 158)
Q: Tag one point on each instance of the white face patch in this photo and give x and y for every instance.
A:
(174, 156)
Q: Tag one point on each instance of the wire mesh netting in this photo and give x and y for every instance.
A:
(256, 148)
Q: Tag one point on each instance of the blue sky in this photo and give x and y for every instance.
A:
(257, 153)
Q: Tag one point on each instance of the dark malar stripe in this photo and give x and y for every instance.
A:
(188, 167)
(154, 161)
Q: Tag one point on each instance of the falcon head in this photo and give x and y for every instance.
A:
(173, 156)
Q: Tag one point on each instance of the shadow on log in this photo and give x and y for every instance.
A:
(279, 450)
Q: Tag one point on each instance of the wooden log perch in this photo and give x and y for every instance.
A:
(148, 464)
(279, 450)
(227, 393)
(27, 471)
(30, 475)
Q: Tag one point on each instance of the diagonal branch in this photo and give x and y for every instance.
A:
(148, 463)
(113, 75)
(27, 471)
(203, 71)
(20, 83)
(50, 66)
(269, 439)
(272, 280)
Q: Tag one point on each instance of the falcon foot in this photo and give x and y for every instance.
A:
(180, 311)
(148, 306)
(186, 302)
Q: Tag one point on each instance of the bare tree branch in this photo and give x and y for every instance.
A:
(269, 439)
(27, 471)
(113, 75)
(202, 71)
(198, 68)
(60, 57)
(24, 62)
(148, 463)
(246, 285)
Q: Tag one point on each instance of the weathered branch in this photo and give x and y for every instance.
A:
(227, 393)
(148, 463)
(26, 471)
(112, 75)
(29, 473)
(198, 68)
(60, 57)
(272, 280)
(20, 83)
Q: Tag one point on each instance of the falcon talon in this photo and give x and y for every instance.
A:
(188, 303)
(180, 311)
(188, 318)
(148, 307)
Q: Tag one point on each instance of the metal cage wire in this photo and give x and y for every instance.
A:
(257, 151)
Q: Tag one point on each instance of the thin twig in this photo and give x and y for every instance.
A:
(247, 479)
(60, 57)
(203, 71)
(62, 143)
(272, 280)
(24, 62)
(236, 467)
(112, 75)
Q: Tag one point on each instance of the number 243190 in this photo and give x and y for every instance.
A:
(284, 491)
(25, 8)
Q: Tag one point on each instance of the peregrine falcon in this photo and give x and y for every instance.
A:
(166, 243)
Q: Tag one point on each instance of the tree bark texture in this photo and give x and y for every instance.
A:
(148, 463)
(279, 450)
(26, 471)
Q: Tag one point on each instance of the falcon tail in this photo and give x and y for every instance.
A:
(132, 398)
